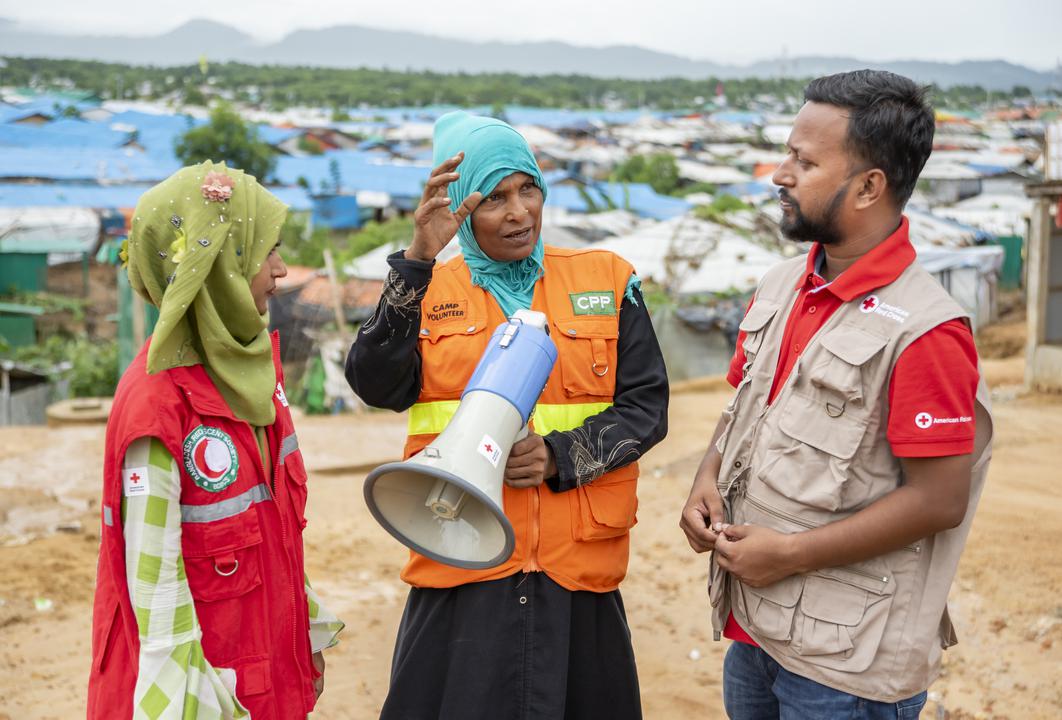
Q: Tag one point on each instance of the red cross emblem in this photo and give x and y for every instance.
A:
(488, 448)
(134, 478)
(923, 420)
(870, 303)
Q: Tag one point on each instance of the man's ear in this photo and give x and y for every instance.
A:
(872, 187)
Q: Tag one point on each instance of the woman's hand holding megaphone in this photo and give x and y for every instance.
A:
(530, 462)
(434, 224)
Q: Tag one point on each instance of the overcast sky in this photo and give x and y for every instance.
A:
(1028, 32)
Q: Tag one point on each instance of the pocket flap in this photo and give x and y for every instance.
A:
(784, 592)
(811, 423)
(852, 344)
(612, 504)
(587, 327)
(252, 677)
(440, 330)
(212, 539)
(833, 601)
(758, 316)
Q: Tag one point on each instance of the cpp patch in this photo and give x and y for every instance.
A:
(600, 302)
(210, 458)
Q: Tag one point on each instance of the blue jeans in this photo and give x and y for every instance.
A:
(755, 687)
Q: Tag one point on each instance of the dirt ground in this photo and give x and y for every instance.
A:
(1007, 601)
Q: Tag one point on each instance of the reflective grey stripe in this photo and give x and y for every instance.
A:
(226, 508)
(108, 516)
(289, 445)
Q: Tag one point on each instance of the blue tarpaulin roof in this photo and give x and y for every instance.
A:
(636, 197)
(357, 171)
(62, 134)
(339, 212)
(109, 196)
(156, 133)
(91, 164)
(276, 135)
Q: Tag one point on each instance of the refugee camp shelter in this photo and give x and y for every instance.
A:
(1043, 350)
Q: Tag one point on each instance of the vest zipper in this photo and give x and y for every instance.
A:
(532, 552)
(274, 476)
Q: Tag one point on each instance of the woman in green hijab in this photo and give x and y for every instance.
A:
(543, 634)
(204, 487)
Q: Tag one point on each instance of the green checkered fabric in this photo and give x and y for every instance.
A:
(175, 680)
(324, 625)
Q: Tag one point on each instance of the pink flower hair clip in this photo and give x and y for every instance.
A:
(217, 187)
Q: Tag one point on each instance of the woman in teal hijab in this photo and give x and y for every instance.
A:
(543, 634)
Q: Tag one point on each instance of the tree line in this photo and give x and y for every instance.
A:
(277, 87)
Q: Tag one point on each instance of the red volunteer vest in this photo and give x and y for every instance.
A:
(242, 547)
(580, 538)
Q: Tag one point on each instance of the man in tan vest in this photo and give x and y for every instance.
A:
(840, 483)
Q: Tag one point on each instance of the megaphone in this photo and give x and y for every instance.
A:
(445, 502)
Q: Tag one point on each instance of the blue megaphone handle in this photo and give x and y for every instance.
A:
(515, 365)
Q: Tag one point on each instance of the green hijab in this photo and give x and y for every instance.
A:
(494, 150)
(195, 242)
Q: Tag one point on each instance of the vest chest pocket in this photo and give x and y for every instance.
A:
(586, 349)
(755, 325)
(823, 420)
(449, 352)
(222, 558)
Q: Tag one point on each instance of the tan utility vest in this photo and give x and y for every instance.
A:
(818, 454)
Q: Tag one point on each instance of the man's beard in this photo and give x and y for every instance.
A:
(823, 229)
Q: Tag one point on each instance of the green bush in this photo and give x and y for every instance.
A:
(93, 363)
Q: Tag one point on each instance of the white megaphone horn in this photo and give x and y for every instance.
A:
(445, 502)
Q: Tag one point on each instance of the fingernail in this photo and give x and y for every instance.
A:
(718, 526)
(447, 199)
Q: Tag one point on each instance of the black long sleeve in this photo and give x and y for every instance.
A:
(383, 368)
(383, 365)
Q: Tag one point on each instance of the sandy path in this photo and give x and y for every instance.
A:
(1007, 602)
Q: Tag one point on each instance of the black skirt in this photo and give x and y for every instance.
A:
(520, 648)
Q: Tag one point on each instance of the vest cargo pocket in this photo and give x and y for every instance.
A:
(252, 679)
(770, 610)
(223, 563)
(603, 511)
(586, 353)
(842, 616)
(449, 353)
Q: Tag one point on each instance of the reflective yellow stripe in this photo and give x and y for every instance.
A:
(429, 418)
(565, 417)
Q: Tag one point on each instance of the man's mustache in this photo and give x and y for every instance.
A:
(784, 196)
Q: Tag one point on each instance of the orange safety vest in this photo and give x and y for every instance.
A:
(579, 538)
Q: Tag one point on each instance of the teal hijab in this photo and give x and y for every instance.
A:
(493, 151)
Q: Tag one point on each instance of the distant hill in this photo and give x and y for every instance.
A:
(351, 46)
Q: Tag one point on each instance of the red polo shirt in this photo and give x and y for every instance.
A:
(937, 373)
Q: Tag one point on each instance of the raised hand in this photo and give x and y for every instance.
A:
(434, 224)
